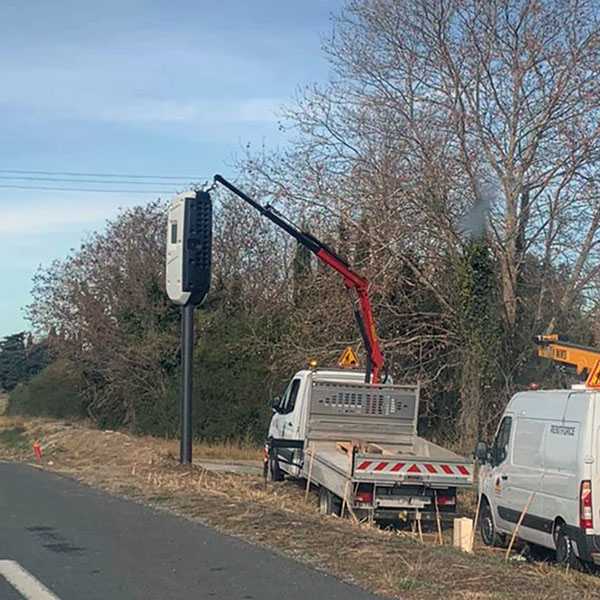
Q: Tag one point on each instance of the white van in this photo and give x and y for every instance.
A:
(546, 453)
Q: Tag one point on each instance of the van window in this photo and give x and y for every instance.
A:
(290, 399)
(500, 447)
(527, 447)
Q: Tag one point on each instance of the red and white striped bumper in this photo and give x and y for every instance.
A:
(416, 470)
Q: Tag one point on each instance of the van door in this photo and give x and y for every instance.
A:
(526, 474)
(496, 476)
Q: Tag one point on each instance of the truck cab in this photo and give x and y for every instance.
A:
(290, 412)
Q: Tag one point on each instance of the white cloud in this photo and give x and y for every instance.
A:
(197, 112)
(113, 88)
(58, 93)
(36, 220)
(258, 110)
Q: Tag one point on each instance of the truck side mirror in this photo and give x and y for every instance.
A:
(481, 452)
(274, 403)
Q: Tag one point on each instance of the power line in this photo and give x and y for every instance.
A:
(89, 190)
(126, 175)
(99, 181)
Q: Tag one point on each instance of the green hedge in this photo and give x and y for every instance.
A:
(232, 388)
(53, 392)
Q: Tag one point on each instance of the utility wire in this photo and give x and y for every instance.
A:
(89, 190)
(99, 181)
(125, 175)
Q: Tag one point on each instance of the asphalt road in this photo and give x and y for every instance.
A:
(83, 544)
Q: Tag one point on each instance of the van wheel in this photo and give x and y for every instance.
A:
(328, 503)
(489, 535)
(276, 472)
(565, 550)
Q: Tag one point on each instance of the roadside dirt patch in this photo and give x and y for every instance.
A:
(390, 563)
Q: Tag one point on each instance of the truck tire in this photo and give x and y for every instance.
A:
(565, 550)
(487, 529)
(328, 503)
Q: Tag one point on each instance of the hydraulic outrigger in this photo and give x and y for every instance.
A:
(352, 280)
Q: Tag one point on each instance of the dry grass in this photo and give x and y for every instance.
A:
(3, 403)
(391, 563)
(240, 451)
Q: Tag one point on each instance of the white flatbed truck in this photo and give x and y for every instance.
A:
(358, 443)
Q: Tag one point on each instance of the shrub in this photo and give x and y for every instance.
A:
(53, 392)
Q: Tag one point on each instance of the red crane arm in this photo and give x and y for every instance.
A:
(364, 318)
(352, 280)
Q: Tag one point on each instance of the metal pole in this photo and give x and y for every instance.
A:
(187, 388)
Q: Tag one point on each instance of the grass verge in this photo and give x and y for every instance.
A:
(13, 439)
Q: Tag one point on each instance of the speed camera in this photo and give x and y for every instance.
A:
(189, 242)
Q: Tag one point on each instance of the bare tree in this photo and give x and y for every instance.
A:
(503, 92)
(446, 121)
(107, 307)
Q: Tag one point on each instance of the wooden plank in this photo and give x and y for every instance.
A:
(345, 447)
(377, 449)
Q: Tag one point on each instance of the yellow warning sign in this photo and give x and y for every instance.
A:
(348, 359)
(593, 379)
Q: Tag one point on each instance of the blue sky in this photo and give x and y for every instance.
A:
(148, 87)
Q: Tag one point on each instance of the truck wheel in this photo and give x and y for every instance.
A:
(565, 551)
(489, 535)
(329, 504)
(276, 472)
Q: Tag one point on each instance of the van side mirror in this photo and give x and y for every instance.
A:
(274, 403)
(482, 453)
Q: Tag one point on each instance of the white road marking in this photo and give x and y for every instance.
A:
(24, 582)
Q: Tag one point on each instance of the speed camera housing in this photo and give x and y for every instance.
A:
(189, 243)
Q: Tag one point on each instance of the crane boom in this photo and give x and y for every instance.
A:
(352, 280)
(583, 358)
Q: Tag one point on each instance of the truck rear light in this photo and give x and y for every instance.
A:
(586, 518)
(364, 493)
(364, 497)
(445, 500)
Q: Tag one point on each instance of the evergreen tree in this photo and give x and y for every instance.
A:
(480, 338)
(13, 361)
